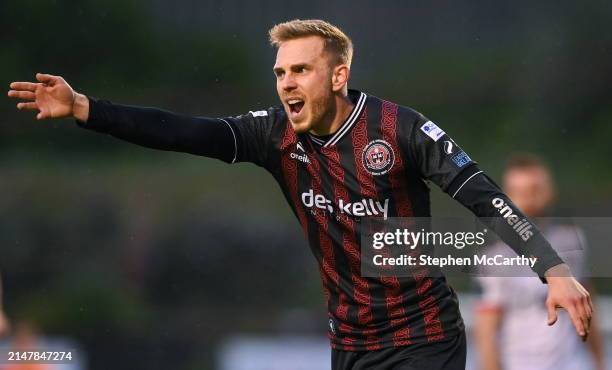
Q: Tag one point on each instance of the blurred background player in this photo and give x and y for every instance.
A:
(510, 326)
(26, 337)
(4, 323)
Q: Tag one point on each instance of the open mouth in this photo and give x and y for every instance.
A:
(295, 105)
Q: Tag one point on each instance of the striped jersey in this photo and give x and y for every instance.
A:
(374, 165)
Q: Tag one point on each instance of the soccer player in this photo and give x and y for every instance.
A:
(509, 330)
(339, 155)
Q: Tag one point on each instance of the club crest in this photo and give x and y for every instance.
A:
(378, 157)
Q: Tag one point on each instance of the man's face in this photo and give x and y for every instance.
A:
(304, 82)
(530, 188)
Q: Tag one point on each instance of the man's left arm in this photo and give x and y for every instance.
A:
(440, 160)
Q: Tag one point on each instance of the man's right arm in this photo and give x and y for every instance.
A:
(160, 129)
(232, 139)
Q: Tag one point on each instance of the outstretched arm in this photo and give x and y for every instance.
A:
(155, 128)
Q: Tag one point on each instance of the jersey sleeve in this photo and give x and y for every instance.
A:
(437, 156)
(242, 138)
(480, 194)
(439, 159)
(252, 132)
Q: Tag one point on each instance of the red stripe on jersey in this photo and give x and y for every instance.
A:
(345, 328)
(360, 140)
(349, 240)
(291, 179)
(326, 292)
(325, 242)
(388, 125)
(428, 306)
(431, 316)
(347, 341)
(361, 293)
(368, 190)
(324, 239)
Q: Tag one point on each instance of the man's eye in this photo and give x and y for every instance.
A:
(279, 74)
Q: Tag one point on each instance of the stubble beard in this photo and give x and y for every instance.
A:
(323, 112)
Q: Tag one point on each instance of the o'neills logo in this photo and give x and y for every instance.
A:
(378, 157)
(300, 157)
(521, 226)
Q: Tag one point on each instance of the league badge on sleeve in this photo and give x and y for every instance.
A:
(259, 113)
(378, 157)
(461, 159)
(432, 130)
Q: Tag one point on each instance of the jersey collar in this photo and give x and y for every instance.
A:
(359, 99)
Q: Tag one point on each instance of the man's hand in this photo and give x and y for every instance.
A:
(566, 292)
(52, 97)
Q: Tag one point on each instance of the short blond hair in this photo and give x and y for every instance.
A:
(337, 43)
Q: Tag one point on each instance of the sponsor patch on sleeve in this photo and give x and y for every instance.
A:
(432, 130)
(461, 159)
(259, 113)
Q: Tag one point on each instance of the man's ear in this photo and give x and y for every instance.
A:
(340, 77)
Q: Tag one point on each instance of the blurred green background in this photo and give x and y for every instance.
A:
(162, 254)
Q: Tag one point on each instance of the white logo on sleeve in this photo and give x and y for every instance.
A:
(432, 130)
(259, 113)
(521, 226)
(448, 147)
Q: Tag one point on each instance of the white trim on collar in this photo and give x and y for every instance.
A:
(316, 140)
(346, 126)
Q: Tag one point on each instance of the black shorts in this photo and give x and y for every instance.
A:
(446, 355)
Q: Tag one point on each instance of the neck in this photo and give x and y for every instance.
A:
(338, 113)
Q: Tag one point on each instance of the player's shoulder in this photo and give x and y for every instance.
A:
(259, 124)
(412, 125)
(406, 115)
(270, 115)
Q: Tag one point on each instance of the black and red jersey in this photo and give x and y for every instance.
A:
(376, 164)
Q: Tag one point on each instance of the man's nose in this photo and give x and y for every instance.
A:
(289, 82)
